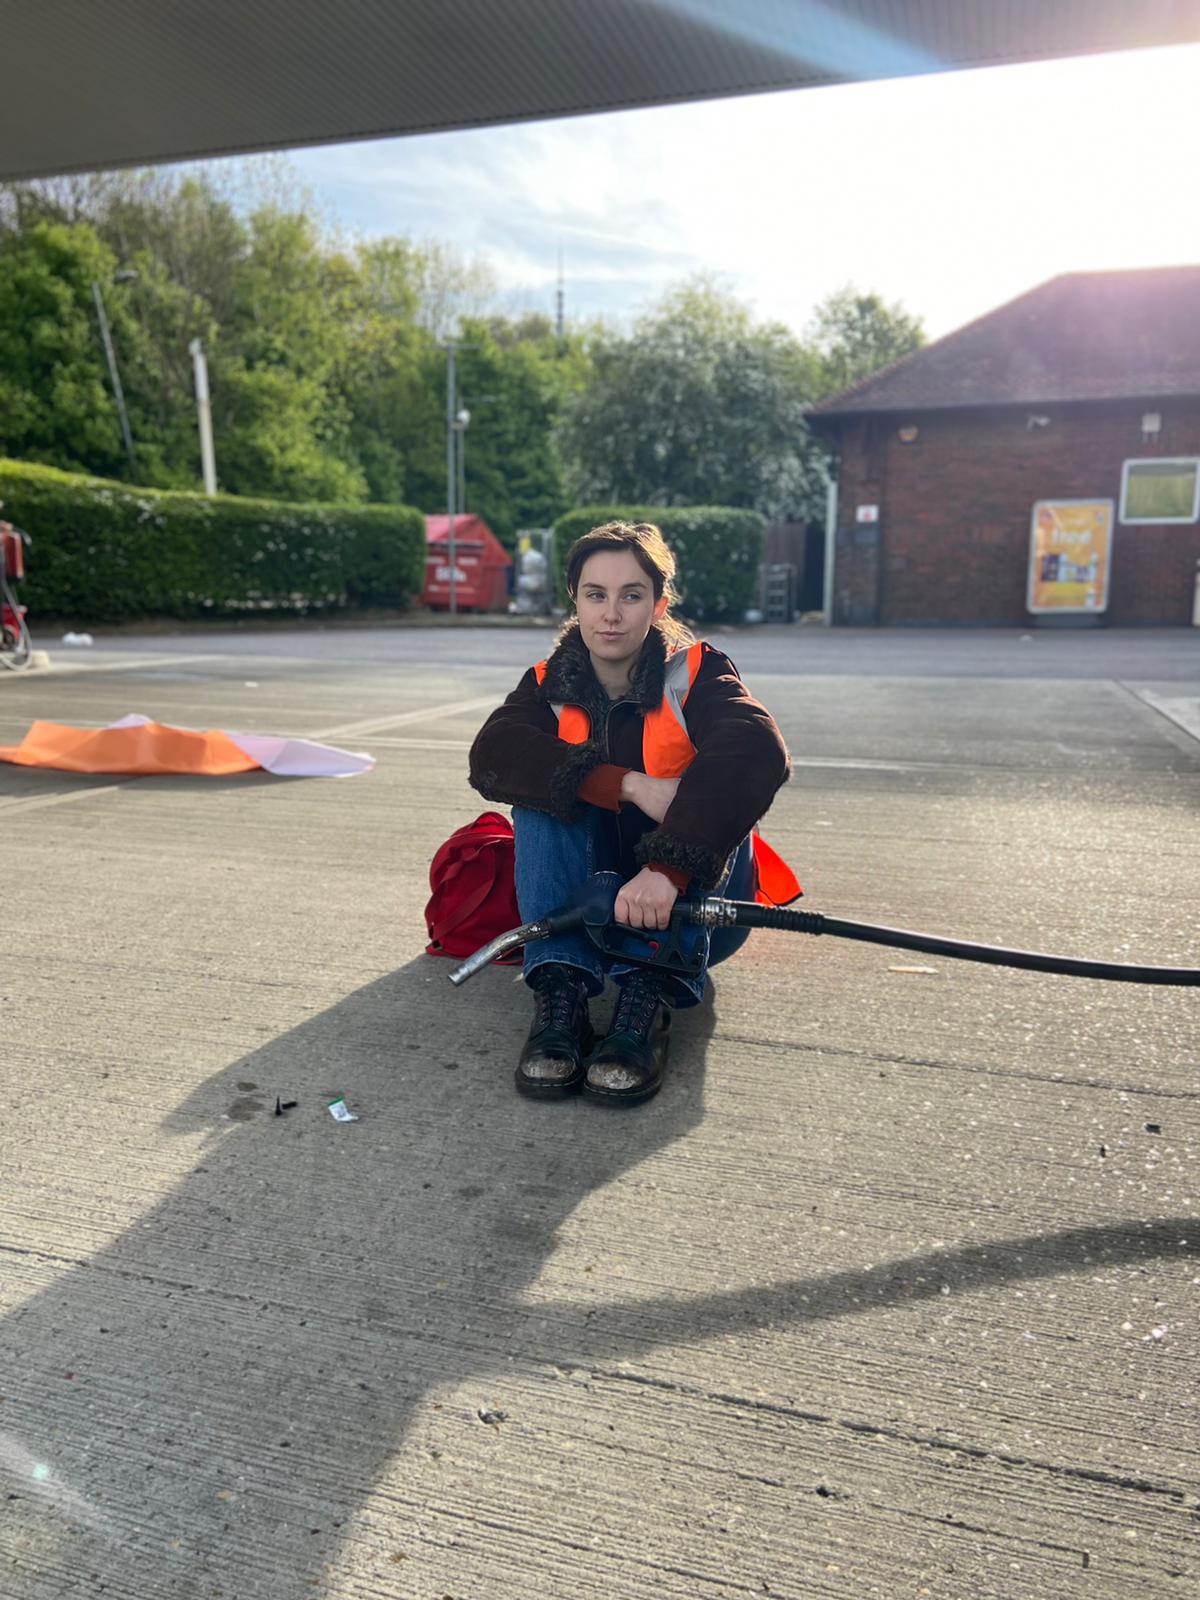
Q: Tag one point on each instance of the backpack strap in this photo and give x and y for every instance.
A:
(470, 902)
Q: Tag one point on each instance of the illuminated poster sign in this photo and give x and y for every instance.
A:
(1070, 553)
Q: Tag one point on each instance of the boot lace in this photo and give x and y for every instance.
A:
(637, 1007)
(557, 998)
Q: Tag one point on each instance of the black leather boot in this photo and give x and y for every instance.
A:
(628, 1067)
(560, 1037)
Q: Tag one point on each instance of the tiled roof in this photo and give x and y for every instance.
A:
(1084, 336)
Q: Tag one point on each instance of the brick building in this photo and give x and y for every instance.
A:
(1086, 389)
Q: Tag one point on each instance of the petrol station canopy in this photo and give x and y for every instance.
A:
(107, 83)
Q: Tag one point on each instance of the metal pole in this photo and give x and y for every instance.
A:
(450, 473)
(462, 469)
(831, 518)
(115, 377)
(208, 460)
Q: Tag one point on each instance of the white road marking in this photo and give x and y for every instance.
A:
(859, 764)
(346, 730)
(849, 763)
(384, 743)
(35, 802)
(126, 665)
(1182, 710)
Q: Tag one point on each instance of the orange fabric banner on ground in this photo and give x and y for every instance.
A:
(138, 747)
(142, 750)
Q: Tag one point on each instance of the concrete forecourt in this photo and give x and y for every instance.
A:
(892, 1291)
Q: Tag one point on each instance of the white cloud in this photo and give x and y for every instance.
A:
(949, 193)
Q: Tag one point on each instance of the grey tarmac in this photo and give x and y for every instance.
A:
(892, 1292)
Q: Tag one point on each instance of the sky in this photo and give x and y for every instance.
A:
(949, 194)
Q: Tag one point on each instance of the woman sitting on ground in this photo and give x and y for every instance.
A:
(631, 749)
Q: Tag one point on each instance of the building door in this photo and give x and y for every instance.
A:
(812, 587)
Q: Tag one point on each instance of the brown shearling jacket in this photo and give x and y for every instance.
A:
(518, 759)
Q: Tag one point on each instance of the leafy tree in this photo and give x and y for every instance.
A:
(266, 294)
(328, 371)
(270, 443)
(449, 289)
(325, 362)
(855, 334)
(699, 405)
(55, 403)
(388, 377)
(512, 385)
(281, 423)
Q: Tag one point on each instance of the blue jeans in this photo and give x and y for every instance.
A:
(553, 858)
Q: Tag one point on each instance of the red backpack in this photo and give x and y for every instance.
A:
(474, 894)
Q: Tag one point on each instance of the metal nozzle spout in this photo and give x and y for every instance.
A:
(512, 940)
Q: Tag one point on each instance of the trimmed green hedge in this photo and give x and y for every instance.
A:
(105, 552)
(718, 550)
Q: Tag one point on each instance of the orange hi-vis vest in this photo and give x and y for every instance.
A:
(667, 751)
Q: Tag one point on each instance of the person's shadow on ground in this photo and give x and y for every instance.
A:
(221, 1387)
(202, 1408)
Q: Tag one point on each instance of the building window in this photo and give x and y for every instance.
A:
(1159, 490)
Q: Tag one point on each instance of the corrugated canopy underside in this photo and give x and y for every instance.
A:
(105, 83)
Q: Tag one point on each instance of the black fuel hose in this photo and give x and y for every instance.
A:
(592, 904)
(744, 914)
(593, 909)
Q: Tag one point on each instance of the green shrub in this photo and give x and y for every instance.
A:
(718, 550)
(104, 552)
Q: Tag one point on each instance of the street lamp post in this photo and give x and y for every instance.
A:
(451, 351)
(453, 426)
(125, 276)
(462, 422)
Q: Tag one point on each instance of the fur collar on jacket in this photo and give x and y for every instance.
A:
(571, 679)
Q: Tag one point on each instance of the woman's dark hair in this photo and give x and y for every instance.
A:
(646, 544)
